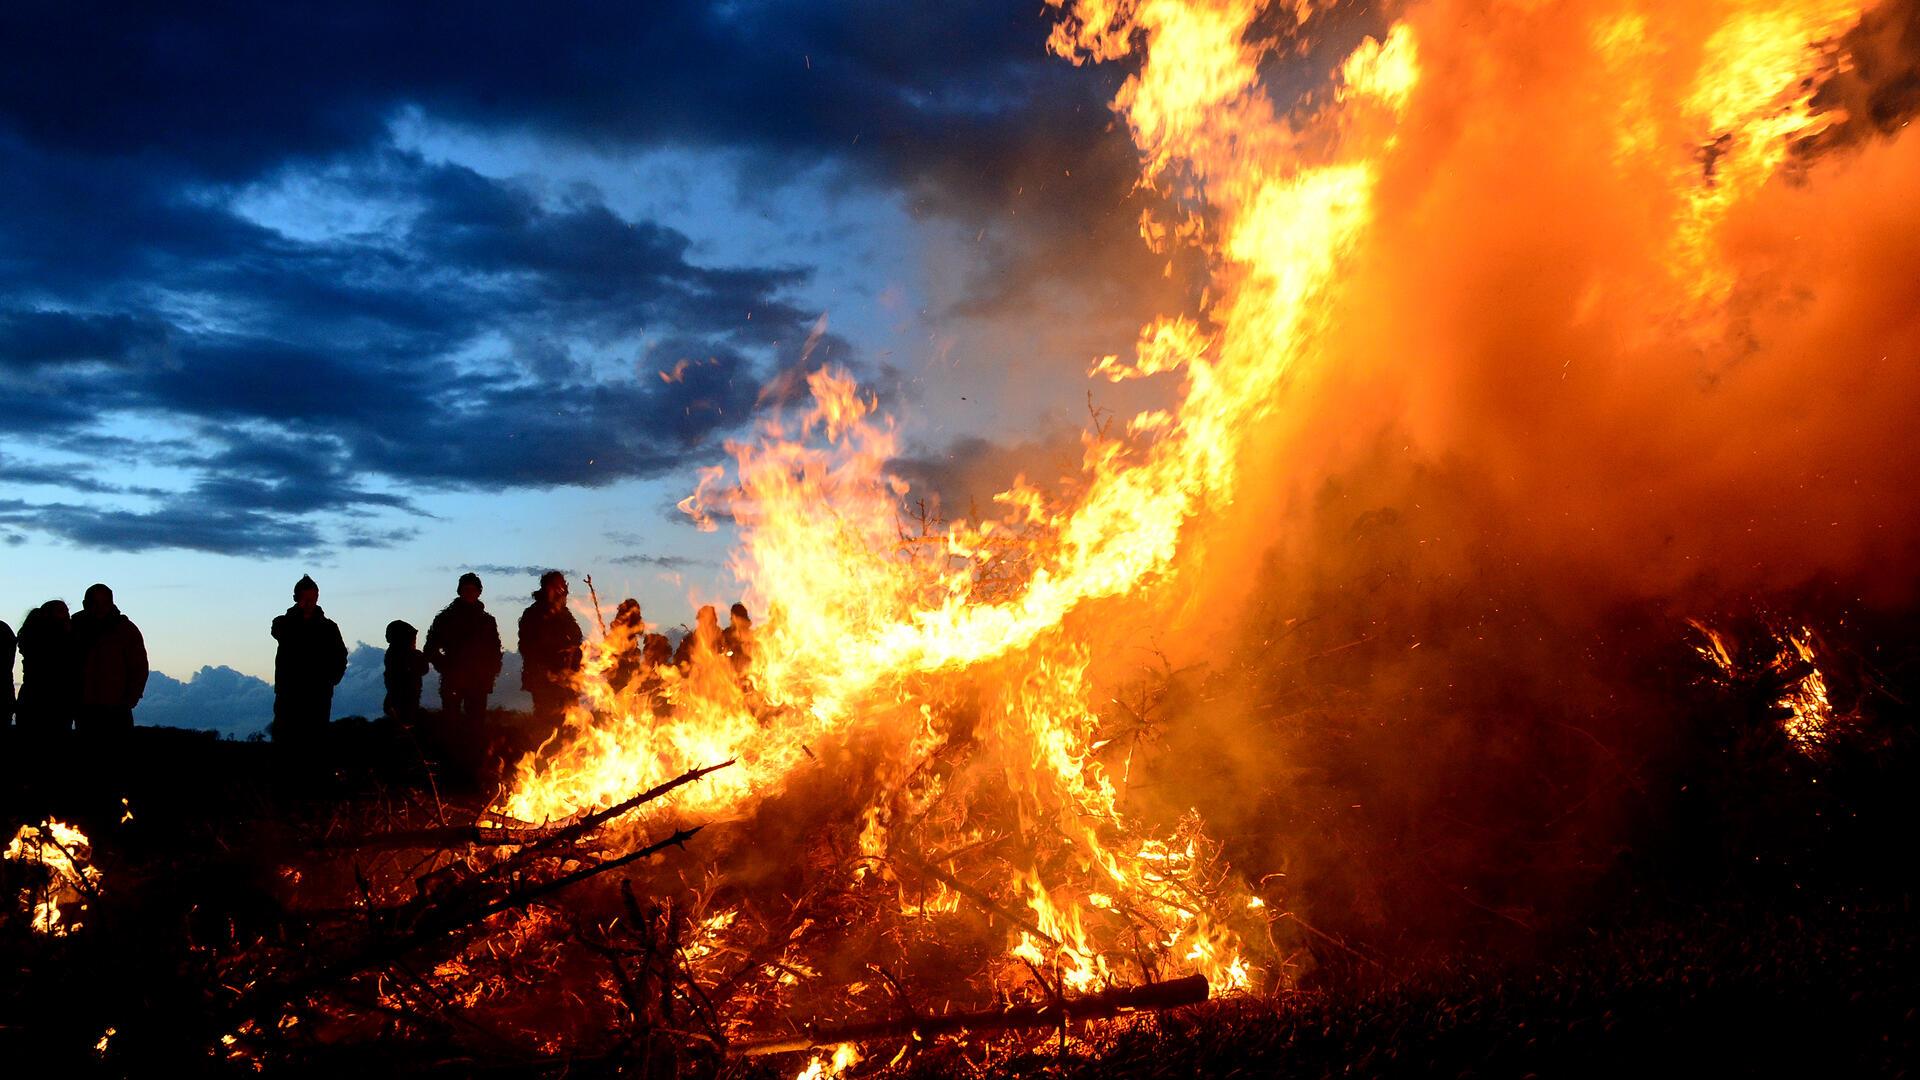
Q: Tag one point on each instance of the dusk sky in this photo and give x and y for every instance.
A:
(380, 292)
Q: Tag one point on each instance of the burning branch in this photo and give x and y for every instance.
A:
(504, 836)
(985, 902)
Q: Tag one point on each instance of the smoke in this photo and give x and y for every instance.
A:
(1544, 426)
(1512, 316)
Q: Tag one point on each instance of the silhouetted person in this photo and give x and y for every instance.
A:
(406, 669)
(309, 663)
(626, 636)
(706, 640)
(7, 647)
(737, 641)
(463, 644)
(657, 654)
(113, 664)
(550, 641)
(49, 670)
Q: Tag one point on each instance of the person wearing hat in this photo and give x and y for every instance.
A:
(309, 663)
(463, 644)
(550, 649)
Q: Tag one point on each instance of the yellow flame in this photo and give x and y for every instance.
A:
(823, 1067)
(66, 855)
(872, 634)
(1751, 99)
(1789, 657)
(864, 634)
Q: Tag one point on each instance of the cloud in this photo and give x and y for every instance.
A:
(457, 330)
(32, 338)
(237, 705)
(363, 689)
(211, 699)
(665, 562)
(513, 571)
(349, 371)
(185, 524)
(71, 476)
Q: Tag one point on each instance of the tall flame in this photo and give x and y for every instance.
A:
(869, 636)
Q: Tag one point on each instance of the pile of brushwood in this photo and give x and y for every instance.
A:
(1745, 906)
(355, 906)
(249, 909)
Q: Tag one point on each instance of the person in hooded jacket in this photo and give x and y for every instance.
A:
(404, 669)
(307, 665)
(49, 670)
(463, 644)
(550, 641)
(113, 664)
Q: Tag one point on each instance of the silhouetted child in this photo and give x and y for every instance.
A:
(406, 668)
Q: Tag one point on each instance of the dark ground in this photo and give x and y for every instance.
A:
(1768, 930)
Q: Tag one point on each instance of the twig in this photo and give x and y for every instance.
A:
(594, 820)
(521, 896)
(597, 620)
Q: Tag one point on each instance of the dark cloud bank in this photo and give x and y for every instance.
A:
(304, 389)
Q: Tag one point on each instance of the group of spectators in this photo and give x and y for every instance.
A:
(463, 645)
(90, 670)
(87, 670)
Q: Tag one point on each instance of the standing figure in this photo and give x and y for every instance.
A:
(309, 663)
(113, 664)
(657, 654)
(463, 644)
(705, 642)
(550, 642)
(49, 670)
(406, 669)
(737, 641)
(6, 660)
(626, 637)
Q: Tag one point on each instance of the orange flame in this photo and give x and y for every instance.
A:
(867, 636)
(66, 854)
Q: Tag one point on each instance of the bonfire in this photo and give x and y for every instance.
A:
(907, 819)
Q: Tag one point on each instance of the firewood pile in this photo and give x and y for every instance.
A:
(316, 928)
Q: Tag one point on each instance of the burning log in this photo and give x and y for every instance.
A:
(1110, 1003)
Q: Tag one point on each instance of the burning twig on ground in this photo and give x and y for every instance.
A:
(1117, 1002)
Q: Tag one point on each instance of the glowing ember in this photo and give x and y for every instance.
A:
(55, 902)
(1783, 662)
(1809, 711)
(845, 1056)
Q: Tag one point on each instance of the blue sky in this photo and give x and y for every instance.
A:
(378, 293)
